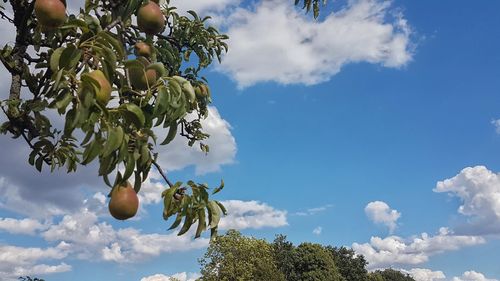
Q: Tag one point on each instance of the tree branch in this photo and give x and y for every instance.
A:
(162, 174)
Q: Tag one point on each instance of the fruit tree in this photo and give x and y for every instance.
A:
(114, 71)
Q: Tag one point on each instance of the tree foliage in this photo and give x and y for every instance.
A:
(352, 267)
(68, 118)
(284, 256)
(389, 275)
(232, 257)
(235, 257)
(27, 278)
(314, 263)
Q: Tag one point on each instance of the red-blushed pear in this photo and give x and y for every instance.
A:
(143, 49)
(142, 78)
(50, 13)
(104, 93)
(150, 19)
(124, 201)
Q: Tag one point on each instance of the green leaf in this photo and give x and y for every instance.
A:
(39, 163)
(70, 57)
(106, 164)
(177, 222)
(172, 132)
(114, 42)
(129, 166)
(161, 103)
(202, 225)
(115, 138)
(54, 59)
(188, 221)
(213, 233)
(159, 68)
(135, 114)
(63, 102)
(91, 152)
(214, 214)
(219, 188)
(137, 182)
(223, 209)
(106, 180)
(168, 197)
(32, 156)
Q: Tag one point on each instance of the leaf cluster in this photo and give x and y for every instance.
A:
(311, 4)
(190, 208)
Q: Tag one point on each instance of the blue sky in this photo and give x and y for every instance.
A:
(374, 128)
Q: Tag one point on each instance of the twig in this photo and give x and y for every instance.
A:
(113, 24)
(4, 16)
(162, 174)
(23, 134)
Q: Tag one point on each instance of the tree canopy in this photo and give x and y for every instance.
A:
(233, 256)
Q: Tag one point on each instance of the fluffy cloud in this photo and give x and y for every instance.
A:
(177, 155)
(206, 7)
(41, 269)
(91, 239)
(251, 214)
(317, 230)
(23, 226)
(84, 236)
(424, 274)
(183, 276)
(380, 212)
(275, 42)
(17, 261)
(472, 276)
(394, 250)
(479, 192)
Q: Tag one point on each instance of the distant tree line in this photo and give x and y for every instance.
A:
(234, 257)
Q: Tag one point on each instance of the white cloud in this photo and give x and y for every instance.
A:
(424, 274)
(251, 214)
(479, 191)
(380, 212)
(41, 269)
(15, 260)
(313, 211)
(177, 155)
(206, 7)
(317, 230)
(472, 276)
(183, 276)
(496, 124)
(394, 250)
(91, 239)
(275, 42)
(23, 226)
